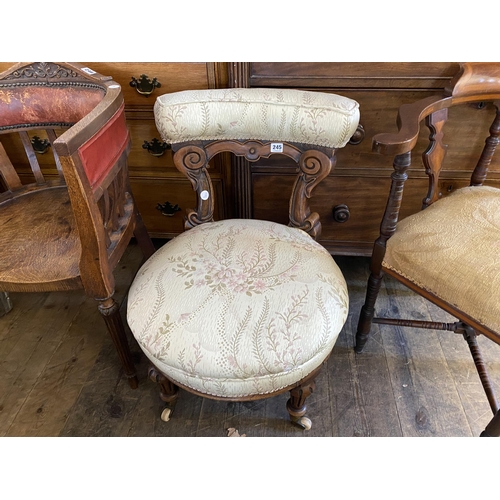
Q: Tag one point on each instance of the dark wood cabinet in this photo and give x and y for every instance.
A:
(357, 188)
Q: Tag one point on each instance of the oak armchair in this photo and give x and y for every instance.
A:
(68, 230)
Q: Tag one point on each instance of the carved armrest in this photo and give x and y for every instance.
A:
(409, 118)
(473, 82)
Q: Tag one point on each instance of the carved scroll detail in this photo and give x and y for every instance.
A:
(192, 161)
(42, 70)
(314, 167)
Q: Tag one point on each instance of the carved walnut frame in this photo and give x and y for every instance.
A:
(314, 164)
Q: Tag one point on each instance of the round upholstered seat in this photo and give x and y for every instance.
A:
(288, 115)
(238, 307)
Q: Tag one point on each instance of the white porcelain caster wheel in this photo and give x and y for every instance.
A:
(305, 423)
(165, 414)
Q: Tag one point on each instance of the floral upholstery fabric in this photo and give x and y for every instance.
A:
(238, 307)
(260, 114)
(452, 249)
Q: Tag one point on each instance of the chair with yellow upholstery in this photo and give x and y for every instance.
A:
(239, 309)
(449, 252)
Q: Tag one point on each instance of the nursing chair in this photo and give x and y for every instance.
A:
(449, 252)
(67, 230)
(240, 309)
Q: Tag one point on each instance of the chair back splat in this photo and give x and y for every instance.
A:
(448, 252)
(241, 309)
(67, 220)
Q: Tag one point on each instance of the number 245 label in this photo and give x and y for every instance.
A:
(276, 147)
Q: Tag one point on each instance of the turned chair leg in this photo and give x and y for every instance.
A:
(296, 405)
(110, 311)
(493, 428)
(368, 311)
(169, 392)
(470, 335)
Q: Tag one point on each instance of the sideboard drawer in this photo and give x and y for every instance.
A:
(142, 131)
(149, 193)
(364, 199)
(172, 77)
(323, 75)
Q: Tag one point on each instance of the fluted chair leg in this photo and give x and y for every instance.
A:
(110, 311)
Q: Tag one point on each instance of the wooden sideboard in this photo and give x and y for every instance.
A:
(350, 201)
(161, 192)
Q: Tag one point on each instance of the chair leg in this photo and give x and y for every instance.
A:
(169, 392)
(493, 428)
(5, 303)
(368, 311)
(111, 313)
(142, 236)
(296, 405)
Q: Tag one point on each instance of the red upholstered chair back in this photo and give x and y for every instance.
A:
(78, 115)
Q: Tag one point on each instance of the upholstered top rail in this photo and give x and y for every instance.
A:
(288, 115)
(38, 106)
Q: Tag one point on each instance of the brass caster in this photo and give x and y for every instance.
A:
(166, 414)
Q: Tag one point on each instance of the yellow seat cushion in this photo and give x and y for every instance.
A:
(265, 114)
(237, 308)
(452, 249)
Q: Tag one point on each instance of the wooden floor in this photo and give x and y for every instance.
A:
(61, 376)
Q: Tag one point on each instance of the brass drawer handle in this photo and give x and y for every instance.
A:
(144, 85)
(155, 147)
(40, 146)
(358, 136)
(168, 209)
(341, 213)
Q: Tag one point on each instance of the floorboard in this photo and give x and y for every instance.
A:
(62, 377)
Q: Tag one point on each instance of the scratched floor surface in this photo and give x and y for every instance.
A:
(61, 376)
